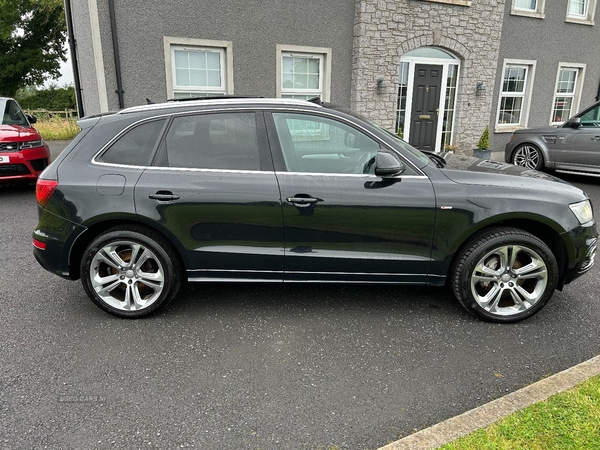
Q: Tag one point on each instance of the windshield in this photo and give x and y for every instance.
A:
(403, 144)
(12, 114)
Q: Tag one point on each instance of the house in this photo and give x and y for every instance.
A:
(435, 71)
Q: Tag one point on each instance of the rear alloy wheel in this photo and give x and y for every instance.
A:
(505, 275)
(529, 156)
(130, 272)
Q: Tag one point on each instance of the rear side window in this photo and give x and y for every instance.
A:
(214, 141)
(135, 147)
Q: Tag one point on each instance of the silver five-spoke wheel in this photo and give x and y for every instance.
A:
(130, 272)
(509, 280)
(127, 275)
(504, 274)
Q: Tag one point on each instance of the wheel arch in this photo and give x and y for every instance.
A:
(542, 231)
(95, 230)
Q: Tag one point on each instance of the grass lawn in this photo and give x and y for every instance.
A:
(57, 128)
(569, 420)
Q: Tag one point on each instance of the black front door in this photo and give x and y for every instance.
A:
(426, 100)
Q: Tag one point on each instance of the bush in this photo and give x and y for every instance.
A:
(484, 140)
(52, 98)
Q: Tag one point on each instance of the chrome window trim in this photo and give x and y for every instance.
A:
(266, 107)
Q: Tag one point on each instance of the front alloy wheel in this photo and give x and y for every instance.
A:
(128, 273)
(528, 156)
(505, 275)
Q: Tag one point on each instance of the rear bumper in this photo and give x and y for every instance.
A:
(58, 236)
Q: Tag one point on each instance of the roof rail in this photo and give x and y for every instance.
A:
(214, 97)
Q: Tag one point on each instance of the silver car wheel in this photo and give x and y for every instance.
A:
(127, 275)
(528, 156)
(509, 280)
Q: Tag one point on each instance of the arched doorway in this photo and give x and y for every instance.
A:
(428, 79)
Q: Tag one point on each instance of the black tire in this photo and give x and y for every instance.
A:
(126, 289)
(529, 156)
(499, 269)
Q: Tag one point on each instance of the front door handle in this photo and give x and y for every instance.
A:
(596, 138)
(303, 200)
(164, 196)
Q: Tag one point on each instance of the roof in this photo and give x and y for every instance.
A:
(221, 101)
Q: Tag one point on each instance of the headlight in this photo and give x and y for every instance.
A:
(32, 144)
(583, 211)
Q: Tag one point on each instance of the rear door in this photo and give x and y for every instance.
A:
(341, 222)
(213, 191)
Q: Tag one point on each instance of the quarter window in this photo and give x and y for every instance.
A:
(213, 141)
(314, 144)
(135, 147)
(566, 94)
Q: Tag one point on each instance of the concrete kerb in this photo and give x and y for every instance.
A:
(455, 427)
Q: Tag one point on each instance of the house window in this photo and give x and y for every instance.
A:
(581, 11)
(303, 72)
(515, 95)
(566, 94)
(198, 68)
(529, 8)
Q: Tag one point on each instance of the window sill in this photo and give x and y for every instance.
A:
(508, 129)
(530, 14)
(580, 21)
(452, 2)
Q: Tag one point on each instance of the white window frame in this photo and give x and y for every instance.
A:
(576, 94)
(587, 18)
(324, 56)
(538, 13)
(225, 48)
(527, 90)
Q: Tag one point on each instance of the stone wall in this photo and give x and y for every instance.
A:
(385, 30)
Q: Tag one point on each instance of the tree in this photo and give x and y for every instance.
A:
(32, 33)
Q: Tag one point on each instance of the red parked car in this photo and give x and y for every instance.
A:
(23, 152)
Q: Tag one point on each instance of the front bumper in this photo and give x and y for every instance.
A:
(25, 165)
(585, 242)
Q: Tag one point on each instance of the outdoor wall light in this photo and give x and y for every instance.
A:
(381, 84)
(480, 88)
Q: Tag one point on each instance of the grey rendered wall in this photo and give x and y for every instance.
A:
(254, 27)
(548, 41)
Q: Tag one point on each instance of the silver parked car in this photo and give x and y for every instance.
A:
(573, 147)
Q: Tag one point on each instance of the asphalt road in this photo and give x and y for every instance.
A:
(251, 366)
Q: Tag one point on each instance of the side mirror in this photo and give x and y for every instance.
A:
(575, 122)
(388, 165)
(31, 119)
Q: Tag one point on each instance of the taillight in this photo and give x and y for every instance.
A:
(39, 244)
(44, 190)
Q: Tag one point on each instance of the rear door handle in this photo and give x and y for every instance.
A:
(302, 200)
(596, 138)
(164, 196)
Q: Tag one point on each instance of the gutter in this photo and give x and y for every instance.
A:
(74, 62)
(113, 29)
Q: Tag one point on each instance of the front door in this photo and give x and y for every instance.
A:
(578, 149)
(341, 222)
(425, 106)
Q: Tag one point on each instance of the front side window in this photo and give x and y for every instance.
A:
(591, 118)
(515, 94)
(135, 147)
(303, 72)
(565, 95)
(315, 144)
(227, 141)
(12, 114)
